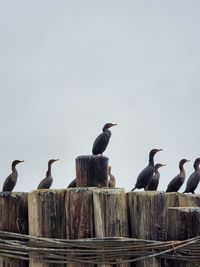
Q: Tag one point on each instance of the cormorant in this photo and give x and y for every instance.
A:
(102, 140)
(11, 180)
(111, 182)
(48, 180)
(194, 178)
(146, 174)
(153, 184)
(178, 180)
(72, 184)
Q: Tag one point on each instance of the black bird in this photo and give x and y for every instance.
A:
(11, 180)
(72, 184)
(111, 182)
(154, 181)
(48, 180)
(179, 179)
(194, 178)
(145, 175)
(102, 140)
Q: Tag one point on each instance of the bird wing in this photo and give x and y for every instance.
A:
(100, 143)
(145, 176)
(193, 182)
(9, 183)
(45, 183)
(175, 184)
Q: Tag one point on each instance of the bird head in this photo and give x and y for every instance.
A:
(183, 161)
(51, 161)
(154, 151)
(159, 165)
(108, 125)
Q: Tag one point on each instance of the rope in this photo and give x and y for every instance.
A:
(113, 250)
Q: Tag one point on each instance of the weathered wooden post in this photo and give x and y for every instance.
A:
(92, 171)
(14, 218)
(46, 217)
(182, 200)
(147, 219)
(183, 223)
(110, 214)
(79, 216)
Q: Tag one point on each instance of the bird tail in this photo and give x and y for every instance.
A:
(134, 188)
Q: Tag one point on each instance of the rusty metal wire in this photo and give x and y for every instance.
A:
(96, 250)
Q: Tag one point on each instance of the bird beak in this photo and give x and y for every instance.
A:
(114, 124)
(164, 165)
(21, 160)
(188, 160)
(56, 159)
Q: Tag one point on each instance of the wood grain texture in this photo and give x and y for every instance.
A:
(147, 219)
(92, 171)
(46, 217)
(183, 223)
(13, 218)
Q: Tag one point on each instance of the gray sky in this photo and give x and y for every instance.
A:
(68, 67)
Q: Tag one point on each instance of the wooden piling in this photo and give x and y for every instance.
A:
(182, 200)
(183, 223)
(147, 219)
(110, 214)
(46, 218)
(92, 171)
(13, 218)
(79, 216)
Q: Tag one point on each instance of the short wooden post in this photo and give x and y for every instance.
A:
(110, 214)
(183, 223)
(14, 218)
(147, 219)
(79, 216)
(92, 171)
(46, 217)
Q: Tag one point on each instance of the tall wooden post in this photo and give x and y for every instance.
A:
(110, 214)
(147, 219)
(79, 216)
(92, 171)
(46, 217)
(183, 223)
(14, 218)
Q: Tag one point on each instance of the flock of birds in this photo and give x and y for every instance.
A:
(147, 179)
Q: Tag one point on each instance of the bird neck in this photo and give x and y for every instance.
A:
(196, 167)
(108, 132)
(157, 172)
(14, 168)
(48, 173)
(151, 160)
(182, 171)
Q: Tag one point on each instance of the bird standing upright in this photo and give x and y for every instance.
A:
(146, 174)
(179, 179)
(111, 182)
(102, 140)
(48, 180)
(154, 181)
(11, 180)
(194, 178)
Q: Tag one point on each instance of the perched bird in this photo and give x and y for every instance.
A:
(72, 184)
(194, 178)
(111, 182)
(179, 179)
(145, 175)
(102, 140)
(153, 184)
(48, 180)
(11, 180)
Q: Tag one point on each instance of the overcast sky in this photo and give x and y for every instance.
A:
(69, 67)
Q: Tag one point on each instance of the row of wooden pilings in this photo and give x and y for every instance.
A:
(85, 212)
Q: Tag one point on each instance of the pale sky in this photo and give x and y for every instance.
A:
(69, 67)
